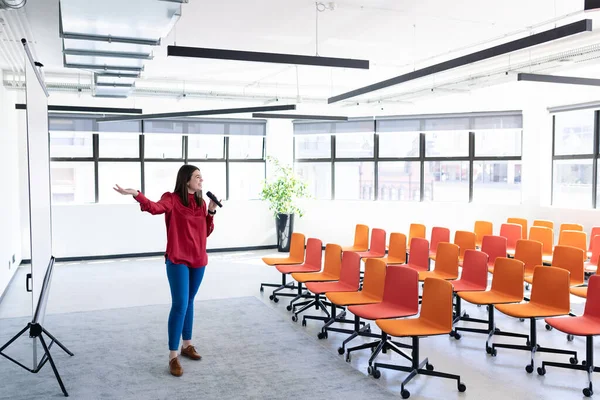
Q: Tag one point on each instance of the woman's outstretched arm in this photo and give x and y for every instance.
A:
(160, 207)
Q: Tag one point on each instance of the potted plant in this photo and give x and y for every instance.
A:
(281, 193)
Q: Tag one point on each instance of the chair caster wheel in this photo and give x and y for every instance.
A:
(541, 371)
(262, 289)
(494, 352)
(587, 392)
(405, 394)
(289, 308)
(294, 318)
(452, 333)
(548, 327)
(376, 374)
(521, 319)
(584, 363)
(348, 358)
(429, 367)
(573, 360)
(462, 387)
(322, 335)
(529, 369)
(303, 322)
(457, 336)
(466, 316)
(570, 338)
(271, 297)
(341, 350)
(275, 299)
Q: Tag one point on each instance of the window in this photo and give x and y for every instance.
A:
(246, 147)
(497, 182)
(498, 143)
(447, 181)
(214, 179)
(71, 144)
(572, 183)
(574, 133)
(312, 146)
(354, 181)
(354, 145)
(161, 146)
(399, 144)
(118, 145)
(399, 180)
(245, 180)
(206, 147)
(72, 182)
(126, 174)
(317, 176)
(447, 144)
(159, 177)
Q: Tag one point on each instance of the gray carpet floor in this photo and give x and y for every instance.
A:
(249, 352)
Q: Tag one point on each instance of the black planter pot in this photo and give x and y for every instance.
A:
(284, 224)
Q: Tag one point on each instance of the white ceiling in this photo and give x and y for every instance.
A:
(397, 36)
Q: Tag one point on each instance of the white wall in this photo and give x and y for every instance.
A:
(10, 207)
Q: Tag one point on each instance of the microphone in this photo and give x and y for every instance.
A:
(213, 198)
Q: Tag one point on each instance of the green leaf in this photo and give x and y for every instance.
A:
(284, 190)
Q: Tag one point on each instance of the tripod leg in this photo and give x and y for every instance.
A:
(14, 338)
(57, 342)
(60, 382)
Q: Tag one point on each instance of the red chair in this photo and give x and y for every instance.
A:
(438, 235)
(312, 263)
(419, 255)
(377, 247)
(587, 325)
(512, 233)
(494, 247)
(591, 266)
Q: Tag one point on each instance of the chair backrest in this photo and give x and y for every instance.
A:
(481, 229)
(438, 235)
(333, 259)
(494, 247)
(350, 269)
(574, 239)
(419, 253)
(508, 277)
(402, 287)
(595, 245)
(550, 287)
(361, 236)
(571, 259)
(530, 252)
(377, 241)
(592, 304)
(475, 268)
(512, 233)
(374, 279)
(416, 231)
(297, 246)
(436, 306)
(314, 252)
(543, 222)
(397, 248)
(465, 241)
(595, 232)
(543, 235)
(446, 259)
(570, 227)
(519, 221)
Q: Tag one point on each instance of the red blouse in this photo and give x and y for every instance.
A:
(187, 227)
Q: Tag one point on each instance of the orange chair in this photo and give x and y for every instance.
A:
(472, 279)
(296, 256)
(543, 222)
(377, 248)
(507, 287)
(349, 282)
(512, 233)
(530, 252)
(494, 247)
(312, 263)
(400, 299)
(446, 263)
(546, 237)
(576, 239)
(435, 319)
(587, 325)
(595, 232)
(416, 231)
(397, 250)
(522, 222)
(570, 258)
(419, 256)
(570, 227)
(592, 265)
(549, 298)
(371, 293)
(438, 235)
(465, 241)
(481, 229)
(361, 239)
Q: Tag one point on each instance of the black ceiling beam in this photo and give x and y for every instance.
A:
(198, 113)
(300, 116)
(103, 110)
(557, 79)
(574, 28)
(279, 58)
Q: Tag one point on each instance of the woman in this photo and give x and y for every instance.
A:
(189, 222)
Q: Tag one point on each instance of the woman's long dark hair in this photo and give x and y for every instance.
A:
(183, 177)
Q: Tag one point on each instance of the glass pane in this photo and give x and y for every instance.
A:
(214, 180)
(574, 132)
(72, 182)
(71, 144)
(497, 182)
(354, 181)
(126, 174)
(572, 186)
(206, 146)
(317, 177)
(400, 180)
(312, 146)
(447, 181)
(354, 145)
(163, 146)
(160, 177)
(401, 144)
(447, 144)
(496, 143)
(119, 145)
(246, 180)
(246, 147)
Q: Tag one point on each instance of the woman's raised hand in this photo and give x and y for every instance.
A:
(119, 189)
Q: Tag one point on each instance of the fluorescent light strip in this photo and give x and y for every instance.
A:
(558, 79)
(301, 116)
(108, 54)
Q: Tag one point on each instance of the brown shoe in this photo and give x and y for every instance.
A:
(175, 367)
(190, 352)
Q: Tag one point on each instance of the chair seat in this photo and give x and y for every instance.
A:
(432, 255)
(579, 291)
(382, 310)
(314, 277)
(590, 268)
(354, 248)
(491, 268)
(579, 326)
(370, 254)
(393, 260)
(288, 269)
(529, 310)
(464, 286)
(488, 297)
(282, 260)
(334, 286)
(434, 274)
(410, 327)
(345, 299)
(528, 277)
(417, 267)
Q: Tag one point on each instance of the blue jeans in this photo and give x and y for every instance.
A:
(184, 283)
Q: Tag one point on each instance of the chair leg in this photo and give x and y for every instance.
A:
(278, 288)
(315, 302)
